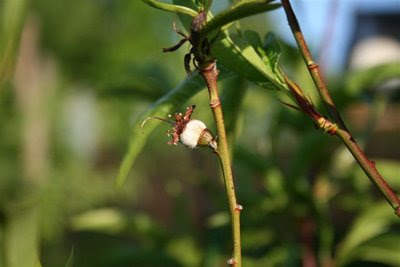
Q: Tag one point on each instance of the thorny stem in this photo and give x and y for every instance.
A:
(210, 74)
(343, 133)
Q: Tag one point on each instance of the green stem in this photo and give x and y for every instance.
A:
(343, 133)
(210, 75)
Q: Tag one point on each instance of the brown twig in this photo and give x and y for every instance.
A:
(342, 132)
(307, 233)
(311, 65)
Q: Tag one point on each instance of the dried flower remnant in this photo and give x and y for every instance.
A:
(191, 133)
(200, 51)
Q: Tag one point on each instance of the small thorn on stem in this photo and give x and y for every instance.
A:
(231, 261)
(215, 103)
(239, 207)
(312, 66)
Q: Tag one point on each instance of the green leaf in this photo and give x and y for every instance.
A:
(238, 11)
(383, 249)
(186, 21)
(240, 57)
(38, 263)
(371, 77)
(370, 224)
(164, 106)
(273, 51)
(185, 251)
(270, 51)
(21, 237)
(12, 18)
(207, 4)
(390, 170)
(104, 220)
(232, 96)
(253, 38)
(203, 4)
(171, 7)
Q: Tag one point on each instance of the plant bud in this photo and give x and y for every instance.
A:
(196, 134)
(207, 139)
(191, 133)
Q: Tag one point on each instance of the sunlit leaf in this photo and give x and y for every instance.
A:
(371, 77)
(253, 38)
(12, 17)
(171, 8)
(236, 54)
(232, 96)
(371, 223)
(238, 11)
(186, 21)
(383, 249)
(21, 237)
(38, 263)
(240, 57)
(273, 51)
(390, 169)
(103, 220)
(218, 220)
(185, 251)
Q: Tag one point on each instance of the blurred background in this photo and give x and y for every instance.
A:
(75, 76)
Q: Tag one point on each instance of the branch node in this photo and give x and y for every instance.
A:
(312, 66)
(215, 103)
(210, 67)
(327, 126)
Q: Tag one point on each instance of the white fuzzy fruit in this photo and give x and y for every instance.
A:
(191, 134)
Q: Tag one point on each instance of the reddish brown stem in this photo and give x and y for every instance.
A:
(311, 65)
(307, 233)
(343, 133)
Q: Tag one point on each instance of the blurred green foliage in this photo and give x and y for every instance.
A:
(76, 75)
